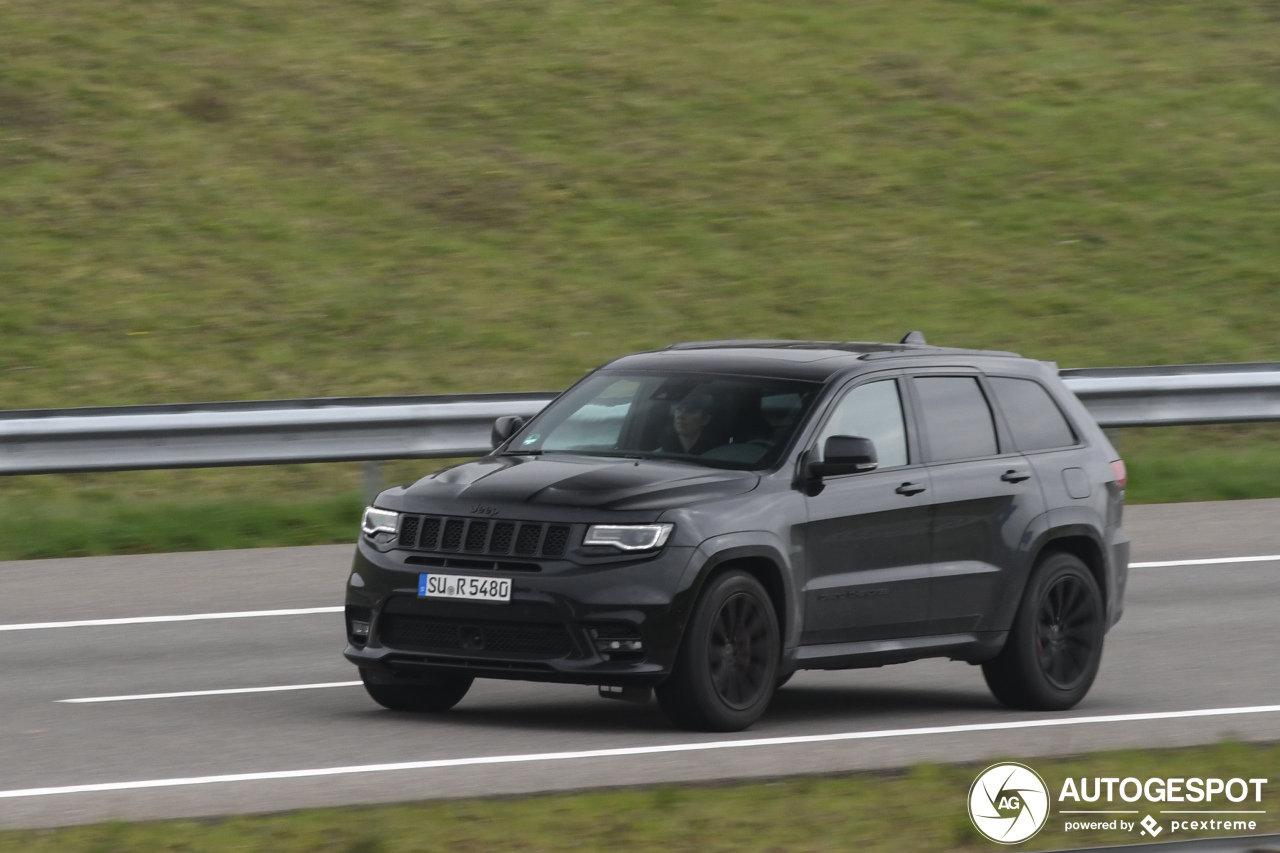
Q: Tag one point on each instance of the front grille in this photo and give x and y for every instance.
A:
(452, 535)
(477, 533)
(409, 531)
(430, 533)
(405, 631)
(557, 538)
(503, 533)
(527, 541)
(482, 536)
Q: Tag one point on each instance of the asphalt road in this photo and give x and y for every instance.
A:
(1195, 638)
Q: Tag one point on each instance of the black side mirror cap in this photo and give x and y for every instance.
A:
(503, 428)
(845, 454)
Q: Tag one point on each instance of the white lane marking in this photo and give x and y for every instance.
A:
(1216, 561)
(188, 617)
(634, 750)
(227, 692)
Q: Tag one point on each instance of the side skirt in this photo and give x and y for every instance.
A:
(972, 648)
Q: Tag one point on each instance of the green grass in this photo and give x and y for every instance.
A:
(273, 198)
(270, 198)
(1202, 463)
(189, 510)
(919, 809)
(144, 527)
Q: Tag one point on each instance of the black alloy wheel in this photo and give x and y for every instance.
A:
(1066, 632)
(737, 655)
(432, 693)
(727, 668)
(1054, 647)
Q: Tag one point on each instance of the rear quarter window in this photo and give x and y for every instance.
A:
(1034, 418)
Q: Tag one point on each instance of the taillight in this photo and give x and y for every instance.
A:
(1117, 468)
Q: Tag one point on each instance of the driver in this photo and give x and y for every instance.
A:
(689, 420)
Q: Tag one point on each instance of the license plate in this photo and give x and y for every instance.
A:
(458, 586)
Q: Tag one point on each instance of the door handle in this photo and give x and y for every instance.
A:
(1015, 476)
(909, 489)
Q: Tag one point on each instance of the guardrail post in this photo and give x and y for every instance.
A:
(371, 480)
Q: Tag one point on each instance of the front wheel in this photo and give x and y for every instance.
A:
(1054, 648)
(727, 667)
(434, 693)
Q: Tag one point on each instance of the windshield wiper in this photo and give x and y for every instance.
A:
(612, 455)
(523, 452)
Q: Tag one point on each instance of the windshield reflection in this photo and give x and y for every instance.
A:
(739, 422)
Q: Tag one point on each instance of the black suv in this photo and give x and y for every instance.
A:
(705, 520)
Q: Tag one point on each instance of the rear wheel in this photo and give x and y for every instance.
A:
(434, 693)
(1054, 648)
(727, 667)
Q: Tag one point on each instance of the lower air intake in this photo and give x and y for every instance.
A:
(404, 631)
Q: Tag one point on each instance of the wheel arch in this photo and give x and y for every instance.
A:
(764, 562)
(1083, 544)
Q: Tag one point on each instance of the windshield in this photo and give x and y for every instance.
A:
(741, 422)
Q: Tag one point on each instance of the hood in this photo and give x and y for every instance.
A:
(580, 481)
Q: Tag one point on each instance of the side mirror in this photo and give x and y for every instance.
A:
(845, 454)
(503, 428)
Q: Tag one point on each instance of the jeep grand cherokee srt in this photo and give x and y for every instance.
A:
(703, 521)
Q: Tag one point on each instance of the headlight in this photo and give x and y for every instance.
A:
(379, 521)
(629, 537)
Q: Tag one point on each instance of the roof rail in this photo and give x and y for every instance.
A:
(735, 342)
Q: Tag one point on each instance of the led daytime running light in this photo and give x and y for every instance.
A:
(629, 537)
(379, 521)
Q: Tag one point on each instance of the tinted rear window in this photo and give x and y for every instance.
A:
(956, 418)
(1034, 418)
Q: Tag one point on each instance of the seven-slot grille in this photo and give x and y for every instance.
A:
(482, 536)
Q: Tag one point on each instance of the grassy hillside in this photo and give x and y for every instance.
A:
(271, 198)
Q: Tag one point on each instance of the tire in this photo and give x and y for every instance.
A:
(727, 667)
(1055, 645)
(434, 693)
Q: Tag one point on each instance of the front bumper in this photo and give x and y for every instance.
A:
(615, 623)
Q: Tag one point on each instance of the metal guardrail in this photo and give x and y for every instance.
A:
(267, 432)
(271, 432)
(1179, 395)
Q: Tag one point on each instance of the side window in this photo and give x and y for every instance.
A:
(956, 417)
(1034, 418)
(872, 411)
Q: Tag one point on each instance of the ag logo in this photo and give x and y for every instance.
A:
(1008, 803)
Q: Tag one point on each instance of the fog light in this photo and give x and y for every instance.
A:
(359, 629)
(616, 638)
